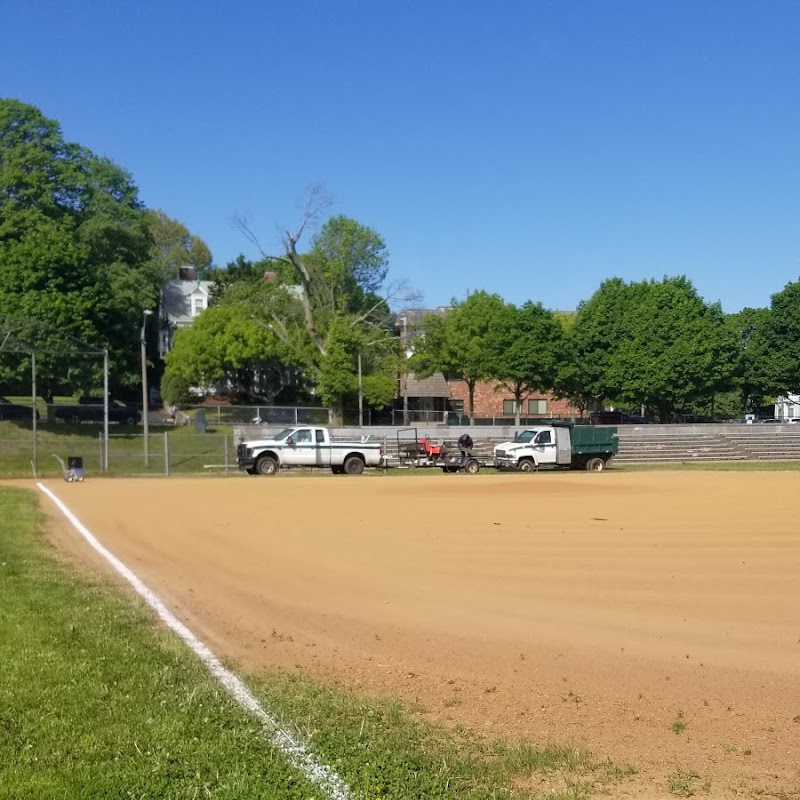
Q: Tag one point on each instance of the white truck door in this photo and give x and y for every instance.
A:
(323, 448)
(545, 447)
(300, 450)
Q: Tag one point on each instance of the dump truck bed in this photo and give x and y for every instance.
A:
(587, 439)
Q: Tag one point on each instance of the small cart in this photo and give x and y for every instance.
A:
(73, 469)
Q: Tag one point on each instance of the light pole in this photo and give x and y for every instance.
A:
(405, 369)
(360, 396)
(145, 314)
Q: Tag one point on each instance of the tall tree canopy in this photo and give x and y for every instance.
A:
(74, 247)
(173, 247)
(778, 340)
(459, 342)
(334, 305)
(526, 347)
(654, 344)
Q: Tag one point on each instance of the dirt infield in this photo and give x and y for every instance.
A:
(654, 617)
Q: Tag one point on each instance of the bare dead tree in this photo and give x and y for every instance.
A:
(317, 202)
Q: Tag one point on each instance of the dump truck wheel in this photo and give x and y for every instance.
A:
(353, 465)
(266, 465)
(595, 465)
(526, 465)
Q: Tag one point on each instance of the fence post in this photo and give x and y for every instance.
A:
(295, 416)
(219, 416)
(226, 454)
(103, 465)
(166, 453)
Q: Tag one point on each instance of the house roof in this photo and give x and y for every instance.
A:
(177, 295)
(434, 386)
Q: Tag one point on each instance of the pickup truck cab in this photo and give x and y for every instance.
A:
(307, 447)
(564, 445)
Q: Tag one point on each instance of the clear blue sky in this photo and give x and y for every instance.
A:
(530, 148)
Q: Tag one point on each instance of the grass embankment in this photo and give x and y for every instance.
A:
(97, 701)
(189, 452)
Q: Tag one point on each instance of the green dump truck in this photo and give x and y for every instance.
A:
(559, 444)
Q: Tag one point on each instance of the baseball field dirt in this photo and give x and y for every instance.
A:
(654, 616)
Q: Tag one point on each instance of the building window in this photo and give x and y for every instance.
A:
(537, 408)
(509, 408)
(198, 305)
(456, 406)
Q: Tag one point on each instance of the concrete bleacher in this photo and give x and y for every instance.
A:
(688, 443)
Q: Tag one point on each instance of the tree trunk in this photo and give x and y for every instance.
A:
(336, 414)
(517, 405)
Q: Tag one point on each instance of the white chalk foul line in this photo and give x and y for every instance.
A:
(295, 751)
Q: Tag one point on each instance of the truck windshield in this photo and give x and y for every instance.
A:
(525, 436)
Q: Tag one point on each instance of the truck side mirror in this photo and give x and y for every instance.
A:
(290, 440)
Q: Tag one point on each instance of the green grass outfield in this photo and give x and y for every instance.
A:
(99, 701)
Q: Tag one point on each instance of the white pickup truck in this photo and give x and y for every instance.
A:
(307, 447)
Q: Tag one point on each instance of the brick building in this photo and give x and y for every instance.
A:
(494, 401)
(439, 397)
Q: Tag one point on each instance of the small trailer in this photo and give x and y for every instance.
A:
(559, 444)
(419, 451)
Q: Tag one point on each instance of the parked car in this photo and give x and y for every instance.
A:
(616, 418)
(9, 410)
(90, 409)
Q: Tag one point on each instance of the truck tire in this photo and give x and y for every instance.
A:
(353, 465)
(472, 467)
(266, 465)
(526, 465)
(595, 465)
(337, 470)
(130, 420)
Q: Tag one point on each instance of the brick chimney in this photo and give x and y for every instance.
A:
(187, 273)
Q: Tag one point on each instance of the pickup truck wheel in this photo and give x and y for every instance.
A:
(353, 465)
(595, 465)
(266, 465)
(472, 467)
(526, 465)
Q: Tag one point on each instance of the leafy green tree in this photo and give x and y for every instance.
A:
(334, 305)
(74, 244)
(755, 375)
(525, 345)
(458, 342)
(654, 344)
(173, 247)
(779, 345)
(226, 343)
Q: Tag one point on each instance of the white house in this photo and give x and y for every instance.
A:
(787, 407)
(182, 300)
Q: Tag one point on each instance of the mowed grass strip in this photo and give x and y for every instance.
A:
(385, 749)
(97, 701)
